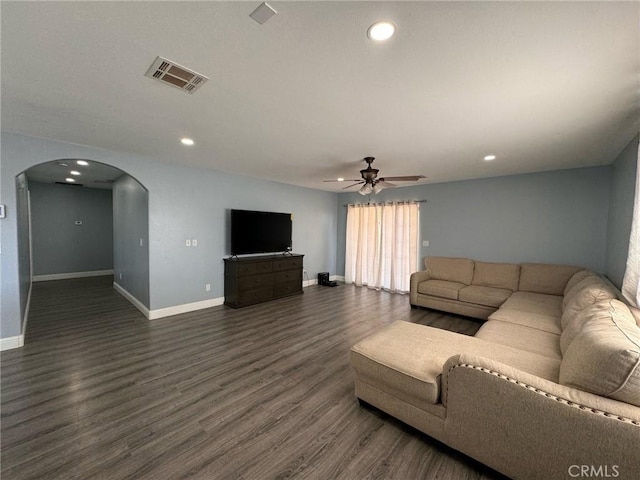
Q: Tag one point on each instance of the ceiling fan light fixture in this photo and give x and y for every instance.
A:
(381, 30)
(377, 188)
(366, 189)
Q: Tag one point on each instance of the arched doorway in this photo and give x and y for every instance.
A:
(83, 218)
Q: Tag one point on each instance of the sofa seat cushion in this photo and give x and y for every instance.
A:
(522, 338)
(440, 288)
(489, 296)
(535, 303)
(540, 321)
(406, 360)
(545, 278)
(497, 275)
(604, 357)
(450, 269)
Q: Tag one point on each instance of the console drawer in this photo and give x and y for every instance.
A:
(253, 282)
(288, 288)
(255, 296)
(287, 264)
(288, 276)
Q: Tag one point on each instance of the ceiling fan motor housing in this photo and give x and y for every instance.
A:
(369, 174)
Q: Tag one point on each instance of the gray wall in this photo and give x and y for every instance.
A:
(183, 203)
(24, 254)
(550, 217)
(61, 246)
(197, 203)
(131, 237)
(623, 184)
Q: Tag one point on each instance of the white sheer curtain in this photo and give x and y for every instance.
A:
(630, 284)
(382, 245)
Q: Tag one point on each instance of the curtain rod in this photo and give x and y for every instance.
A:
(386, 203)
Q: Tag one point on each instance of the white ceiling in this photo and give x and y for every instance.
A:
(93, 175)
(305, 96)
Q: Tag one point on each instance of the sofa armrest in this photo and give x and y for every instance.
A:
(509, 420)
(414, 281)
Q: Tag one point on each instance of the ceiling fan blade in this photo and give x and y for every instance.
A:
(385, 184)
(352, 185)
(407, 178)
(347, 180)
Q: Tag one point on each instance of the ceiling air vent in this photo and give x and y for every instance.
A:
(175, 75)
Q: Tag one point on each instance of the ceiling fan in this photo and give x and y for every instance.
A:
(370, 181)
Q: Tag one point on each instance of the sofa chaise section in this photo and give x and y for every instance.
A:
(551, 379)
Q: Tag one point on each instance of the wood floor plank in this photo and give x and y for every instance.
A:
(262, 392)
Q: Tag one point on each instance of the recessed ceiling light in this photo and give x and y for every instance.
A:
(187, 141)
(84, 163)
(340, 179)
(382, 30)
(74, 172)
(69, 180)
(490, 157)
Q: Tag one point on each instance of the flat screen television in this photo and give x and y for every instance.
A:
(260, 232)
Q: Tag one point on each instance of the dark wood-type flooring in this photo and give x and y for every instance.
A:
(263, 392)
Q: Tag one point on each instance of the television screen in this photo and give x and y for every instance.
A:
(260, 232)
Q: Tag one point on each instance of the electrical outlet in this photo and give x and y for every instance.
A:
(194, 242)
(188, 242)
(120, 277)
(141, 242)
(207, 287)
(425, 243)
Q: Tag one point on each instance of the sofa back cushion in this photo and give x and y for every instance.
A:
(591, 280)
(589, 303)
(545, 278)
(496, 275)
(594, 290)
(450, 269)
(575, 278)
(604, 356)
(636, 314)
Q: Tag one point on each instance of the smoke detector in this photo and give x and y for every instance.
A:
(175, 75)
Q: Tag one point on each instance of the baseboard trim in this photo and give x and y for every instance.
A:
(66, 276)
(185, 308)
(308, 283)
(134, 301)
(167, 311)
(10, 343)
(26, 312)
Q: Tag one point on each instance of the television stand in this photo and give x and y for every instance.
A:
(251, 280)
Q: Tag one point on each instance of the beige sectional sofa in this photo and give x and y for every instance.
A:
(548, 388)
